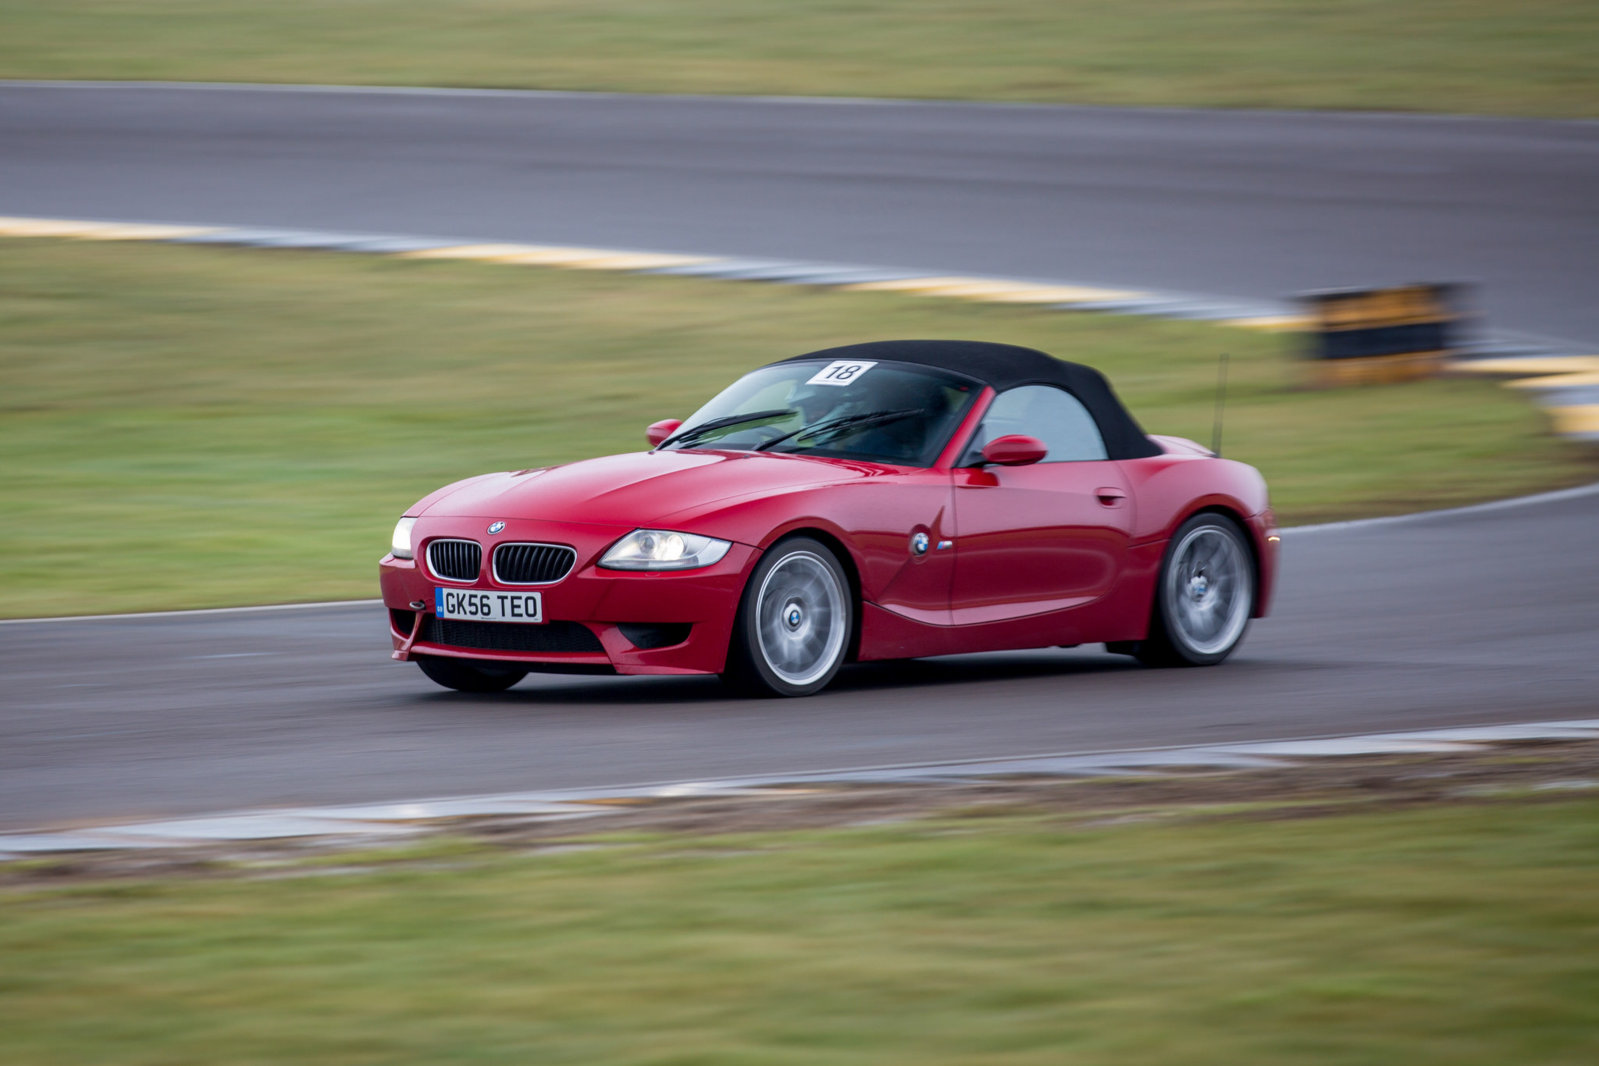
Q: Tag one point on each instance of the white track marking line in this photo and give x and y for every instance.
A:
(1325, 527)
(1386, 118)
(323, 605)
(1452, 512)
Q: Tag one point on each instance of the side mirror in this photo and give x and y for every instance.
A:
(1014, 449)
(659, 431)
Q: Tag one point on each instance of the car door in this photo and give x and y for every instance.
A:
(1040, 538)
(896, 533)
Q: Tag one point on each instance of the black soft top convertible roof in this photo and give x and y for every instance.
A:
(1005, 366)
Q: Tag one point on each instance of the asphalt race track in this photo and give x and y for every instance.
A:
(1234, 204)
(1448, 619)
(1483, 616)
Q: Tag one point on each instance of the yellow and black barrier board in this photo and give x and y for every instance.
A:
(1376, 336)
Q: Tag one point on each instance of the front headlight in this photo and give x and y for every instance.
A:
(661, 549)
(400, 543)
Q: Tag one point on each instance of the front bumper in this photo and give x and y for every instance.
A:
(628, 614)
(1268, 538)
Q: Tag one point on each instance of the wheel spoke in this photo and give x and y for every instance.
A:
(799, 618)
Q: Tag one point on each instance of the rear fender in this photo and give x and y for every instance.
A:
(1172, 488)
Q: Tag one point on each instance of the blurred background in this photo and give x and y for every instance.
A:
(271, 272)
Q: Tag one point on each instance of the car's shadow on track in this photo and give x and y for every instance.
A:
(974, 669)
(853, 682)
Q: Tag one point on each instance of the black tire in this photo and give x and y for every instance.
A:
(465, 676)
(1204, 596)
(794, 623)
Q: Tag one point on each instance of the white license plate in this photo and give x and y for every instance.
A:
(479, 606)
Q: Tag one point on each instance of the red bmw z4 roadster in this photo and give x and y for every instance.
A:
(877, 501)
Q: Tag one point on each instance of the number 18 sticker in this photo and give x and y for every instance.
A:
(841, 372)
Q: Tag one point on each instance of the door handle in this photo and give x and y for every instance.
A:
(1110, 497)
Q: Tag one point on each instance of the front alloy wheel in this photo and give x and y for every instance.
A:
(794, 622)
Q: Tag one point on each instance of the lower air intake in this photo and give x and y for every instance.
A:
(509, 636)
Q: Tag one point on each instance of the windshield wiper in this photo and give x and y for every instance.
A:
(834, 426)
(724, 422)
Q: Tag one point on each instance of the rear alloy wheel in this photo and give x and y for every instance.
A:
(1205, 596)
(464, 676)
(794, 620)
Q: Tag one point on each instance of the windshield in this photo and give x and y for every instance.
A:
(884, 412)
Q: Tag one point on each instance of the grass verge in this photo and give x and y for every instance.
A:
(1462, 933)
(187, 426)
(1530, 58)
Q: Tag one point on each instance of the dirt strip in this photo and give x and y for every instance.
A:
(1520, 771)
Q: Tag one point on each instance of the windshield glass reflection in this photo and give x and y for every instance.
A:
(883, 412)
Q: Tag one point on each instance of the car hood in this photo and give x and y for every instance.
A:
(638, 488)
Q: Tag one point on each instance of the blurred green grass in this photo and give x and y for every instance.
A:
(1484, 56)
(1464, 934)
(191, 427)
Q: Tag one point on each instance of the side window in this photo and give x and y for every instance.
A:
(1053, 415)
